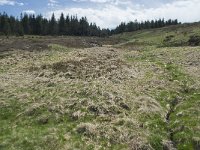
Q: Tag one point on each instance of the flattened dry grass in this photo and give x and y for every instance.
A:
(45, 109)
(99, 98)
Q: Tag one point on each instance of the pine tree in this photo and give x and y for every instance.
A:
(53, 25)
(62, 25)
(159, 23)
(84, 25)
(38, 25)
(25, 24)
(0, 24)
(163, 22)
(45, 27)
(32, 24)
(93, 30)
(67, 23)
(130, 26)
(152, 24)
(105, 33)
(19, 29)
(12, 21)
(6, 28)
(74, 25)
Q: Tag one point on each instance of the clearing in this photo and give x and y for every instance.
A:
(130, 91)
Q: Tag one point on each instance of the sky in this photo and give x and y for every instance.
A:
(108, 13)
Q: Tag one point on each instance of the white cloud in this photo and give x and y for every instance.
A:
(10, 2)
(110, 15)
(52, 3)
(184, 10)
(20, 4)
(94, 1)
(7, 2)
(113, 2)
(29, 11)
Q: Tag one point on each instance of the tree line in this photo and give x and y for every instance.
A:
(38, 25)
(68, 25)
(134, 26)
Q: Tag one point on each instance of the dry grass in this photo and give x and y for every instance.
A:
(97, 98)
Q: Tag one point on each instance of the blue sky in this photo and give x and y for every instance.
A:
(108, 13)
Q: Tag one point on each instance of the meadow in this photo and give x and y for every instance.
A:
(137, 90)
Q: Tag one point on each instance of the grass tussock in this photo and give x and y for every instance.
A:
(130, 97)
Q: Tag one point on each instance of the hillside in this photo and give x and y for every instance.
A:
(130, 91)
(178, 35)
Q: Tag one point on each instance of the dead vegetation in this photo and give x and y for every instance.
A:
(39, 43)
(101, 65)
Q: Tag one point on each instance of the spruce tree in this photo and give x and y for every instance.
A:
(32, 24)
(67, 23)
(53, 25)
(38, 25)
(45, 27)
(130, 26)
(6, 28)
(74, 26)
(25, 24)
(19, 29)
(62, 25)
(84, 26)
(0, 24)
(12, 21)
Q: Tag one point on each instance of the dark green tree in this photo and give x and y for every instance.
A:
(6, 28)
(45, 27)
(53, 25)
(32, 24)
(2, 22)
(25, 24)
(74, 26)
(12, 21)
(62, 25)
(38, 25)
(19, 28)
(84, 26)
(130, 26)
(67, 23)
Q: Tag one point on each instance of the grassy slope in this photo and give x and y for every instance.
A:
(182, 65)
(180, 33)
(138, 96)
(180, 94)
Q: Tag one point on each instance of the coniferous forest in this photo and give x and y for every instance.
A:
(69, 25)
